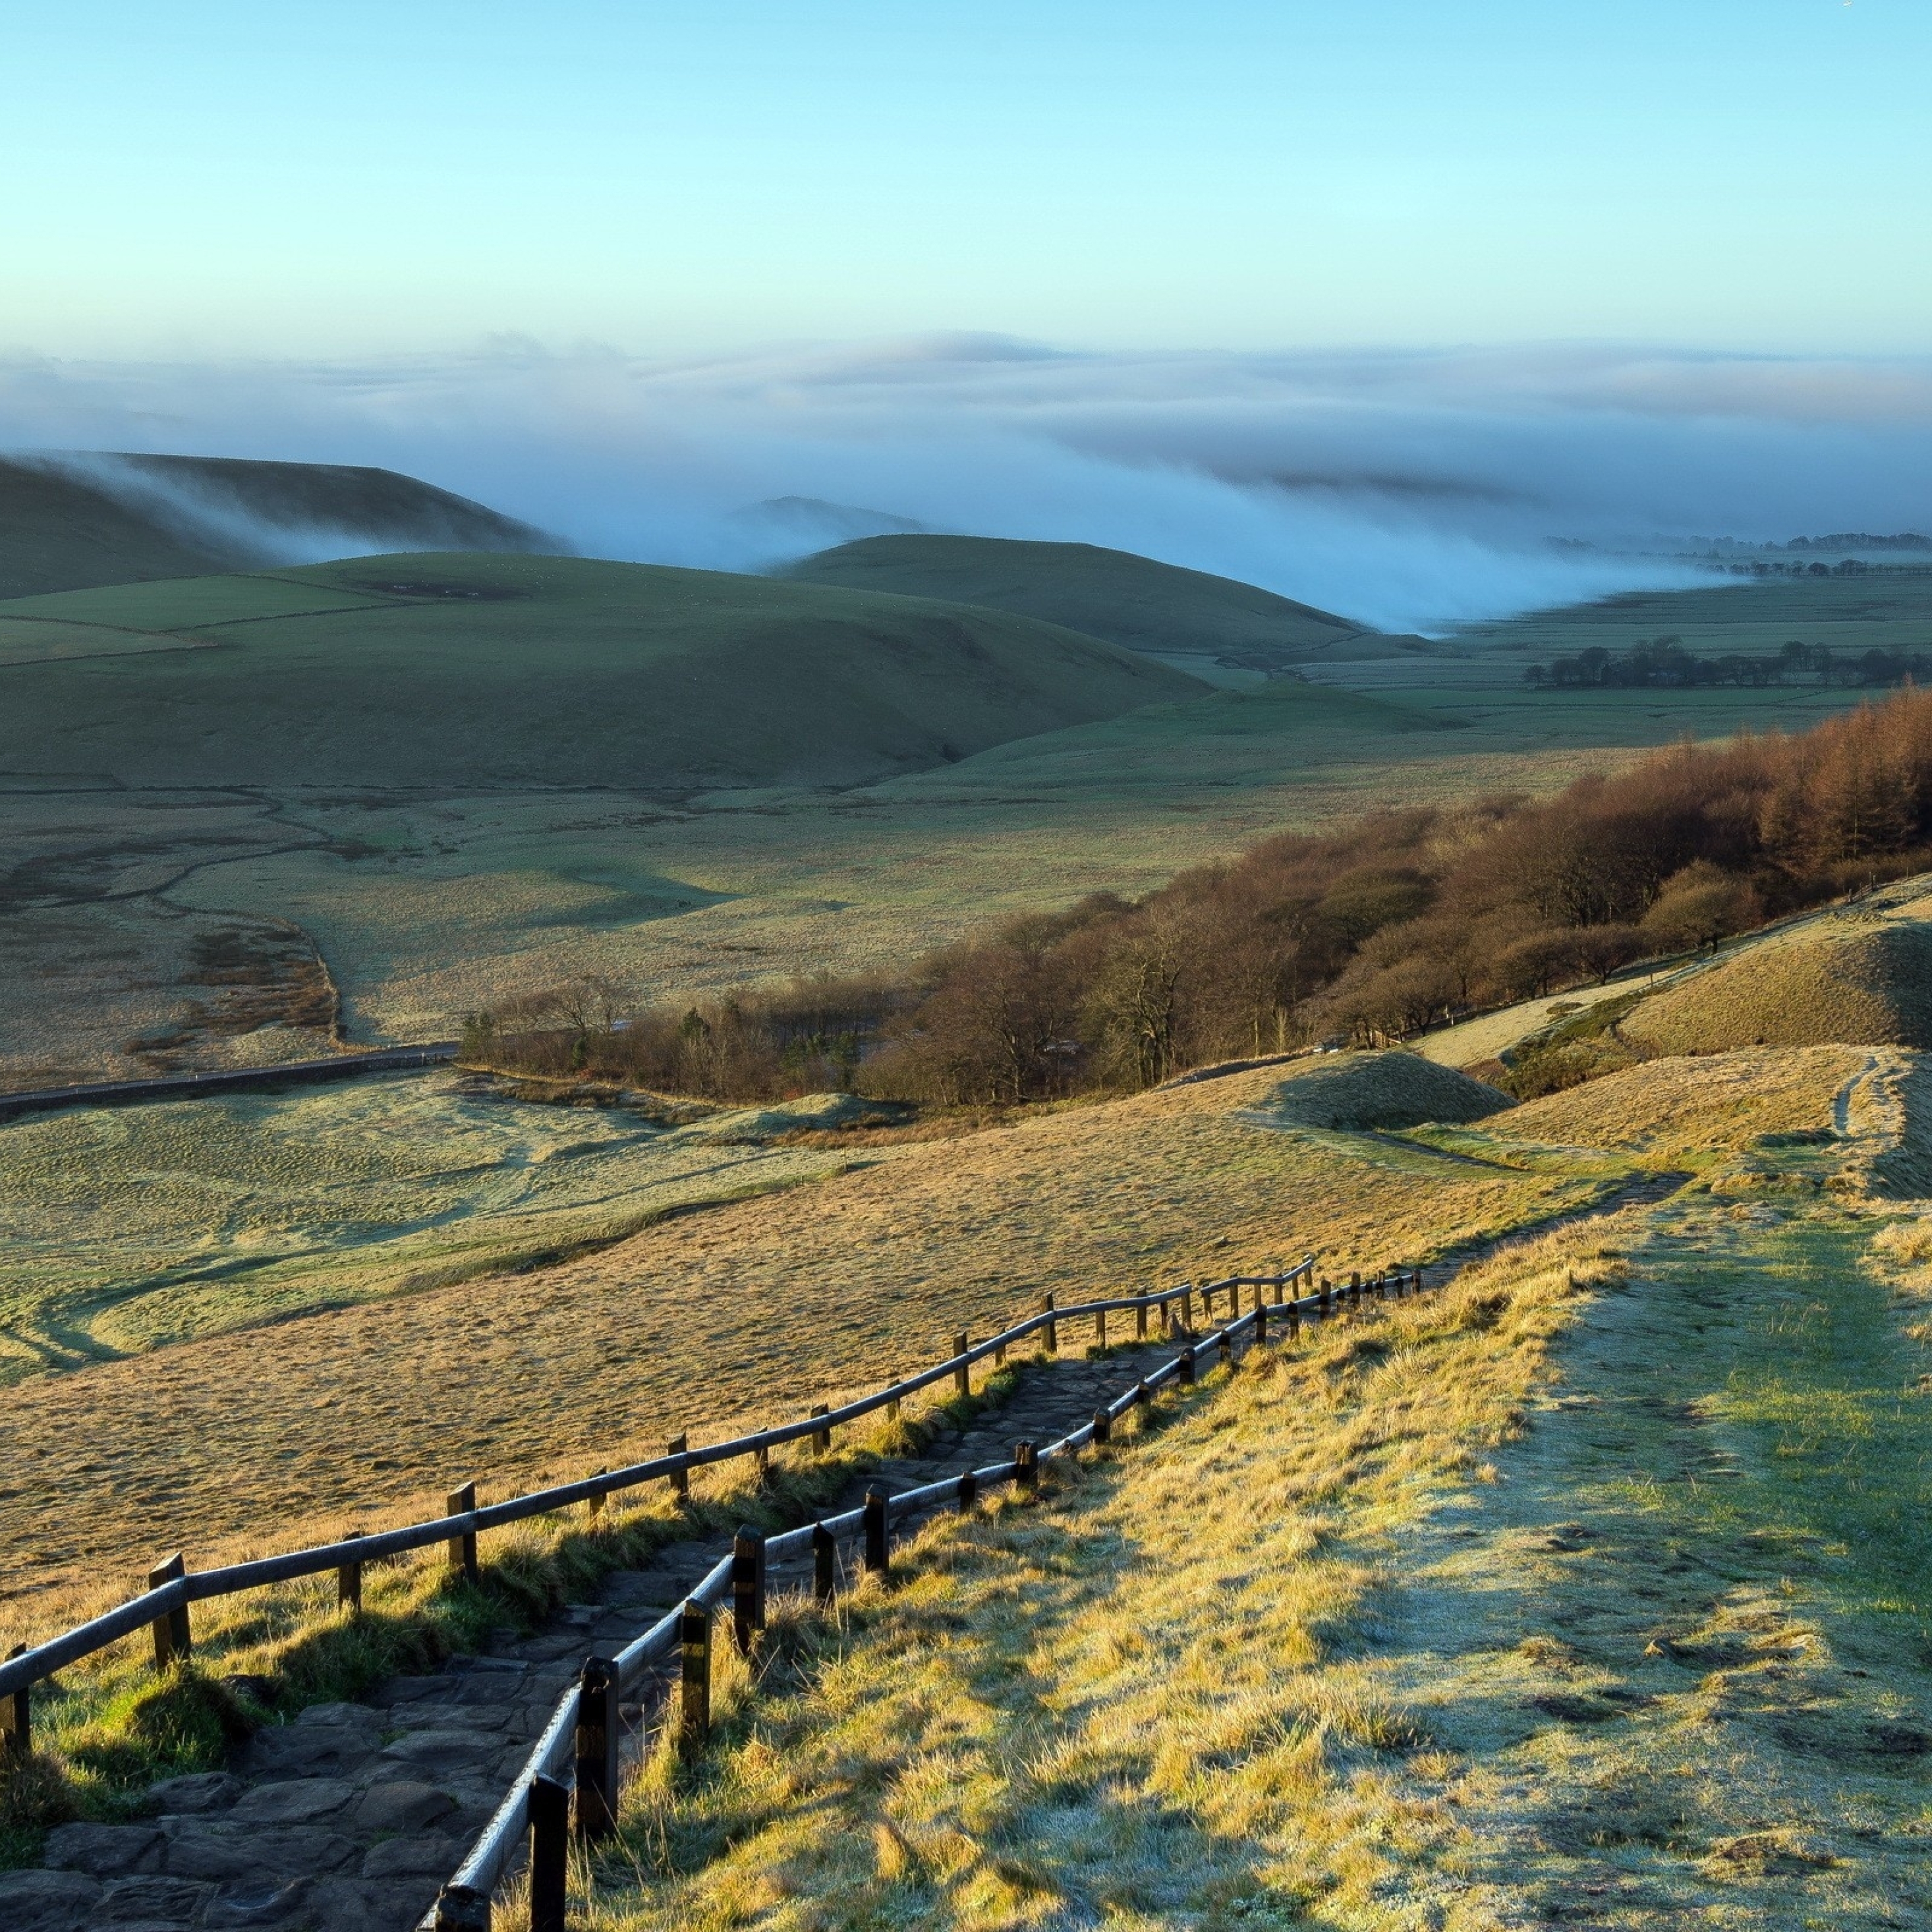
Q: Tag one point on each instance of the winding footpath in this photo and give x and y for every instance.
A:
(350, 1818)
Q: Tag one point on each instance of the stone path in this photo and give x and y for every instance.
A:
(350, 1818)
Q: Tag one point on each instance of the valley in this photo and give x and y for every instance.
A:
(259, 814)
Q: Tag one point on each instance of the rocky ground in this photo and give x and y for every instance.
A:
(349, 1819)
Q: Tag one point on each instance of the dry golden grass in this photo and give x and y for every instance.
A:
(1683, 1112)
(1595, 1590)
(748, 1311)
(127, 1229)
(1143, 1702)
(1835, 982)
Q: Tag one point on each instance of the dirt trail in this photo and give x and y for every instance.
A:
(1841, 1104)
(350, 1818)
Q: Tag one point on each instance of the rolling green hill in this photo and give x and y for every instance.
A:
(69, 522)
(480, 672)
(1159, 608)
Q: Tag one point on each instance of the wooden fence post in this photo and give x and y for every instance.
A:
(173, 1639)
(1140, 1321)
(597, 1736)
(348, 1586)
(969, 1492)
(821, 1438)
(593, 1503)
(549, 1810)
(1187, 1307)
(16, 1718)
(680, 1477)
(1185, 1375)
(962, 1376)
(462, 1908)
(1325, 1294)
(1293, 1323)
(761, 1463)
(462, 1548)
(1418, 1289)
(1354, 1288)
(1103, 1426)
(1260, 1320)
(1100, 1329)
(1052, 1326)
(878, 1551)
(1225, 1348)
(747, 1588)
(1140, 1395)
(1280, 1289)
(1026, 1475)
(694, 1709)
(824, 1564)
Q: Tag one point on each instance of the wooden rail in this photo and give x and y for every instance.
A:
(577, 1746)
(174, 1588)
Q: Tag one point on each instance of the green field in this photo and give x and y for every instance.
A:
(423, 673)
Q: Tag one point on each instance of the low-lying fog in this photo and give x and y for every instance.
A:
(1408, 490)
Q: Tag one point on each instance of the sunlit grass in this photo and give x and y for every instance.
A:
(106, 1727)
(1144, 1698)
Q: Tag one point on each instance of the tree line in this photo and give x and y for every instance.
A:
(1666, 663)
(1368, 932)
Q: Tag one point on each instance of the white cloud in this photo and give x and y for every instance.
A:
(1406, 489)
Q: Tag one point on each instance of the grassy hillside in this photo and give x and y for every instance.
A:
(1832, 983)
(58, 532)
(123, 1230)
(1601, 1575)
(1156, 608)
(480, 672)
(91, 521)
(1595, 1589)
(753, 1308)
(331, 497)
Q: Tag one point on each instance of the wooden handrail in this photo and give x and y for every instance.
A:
(32, 1665)
(465, 1897)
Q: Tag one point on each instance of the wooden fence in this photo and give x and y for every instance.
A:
(172, 1587)
(578, 1750)
(577, 1753)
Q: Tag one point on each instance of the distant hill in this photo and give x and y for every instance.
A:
(796, 521)
(72, 521)
(474, 672)
(1131, 600)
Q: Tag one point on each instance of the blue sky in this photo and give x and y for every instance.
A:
(228, 180)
